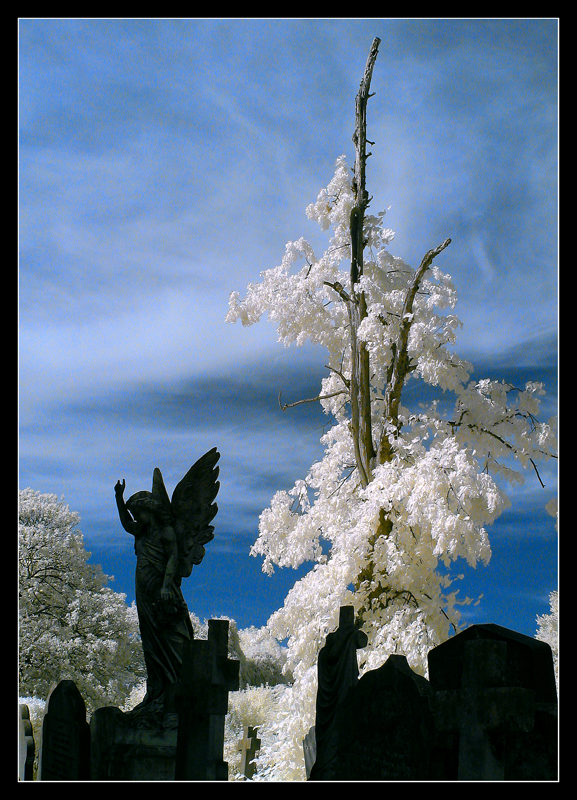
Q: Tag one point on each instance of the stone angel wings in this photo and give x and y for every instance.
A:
(191, 509)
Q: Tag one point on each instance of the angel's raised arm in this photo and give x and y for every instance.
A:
(129, 525)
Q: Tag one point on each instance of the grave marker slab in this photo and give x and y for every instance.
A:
(65, 750)
(385, 726)
(495, 689)
(27, 748)
(310, 751)
(131, 748)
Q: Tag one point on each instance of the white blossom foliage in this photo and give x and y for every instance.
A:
(71, 624)
(548, 630)
(439, 491)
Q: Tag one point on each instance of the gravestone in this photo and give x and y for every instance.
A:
(65, 750)
(202, 697)
(249, 746)
(27, 748)
(495, 693)
(385, 726)
(338, 671)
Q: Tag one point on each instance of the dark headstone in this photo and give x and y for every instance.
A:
(27, 748)
(488, 712)
(495, 695)
(65, 751)
(249, 746)
(385, 726)
(202, 699)
(338, 671)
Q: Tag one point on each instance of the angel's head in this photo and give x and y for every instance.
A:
(144, 507)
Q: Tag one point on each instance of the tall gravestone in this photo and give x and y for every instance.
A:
(65, 750)
(494, 692)
(27, 747)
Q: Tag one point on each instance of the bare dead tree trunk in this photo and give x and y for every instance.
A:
(360, 391)
(357, 306)
(367, 453)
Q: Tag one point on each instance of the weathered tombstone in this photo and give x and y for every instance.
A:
(495, 692)
(249, 746)
(27, 748)
(337, 671)
(385, 726)
(207, 677)
(65, 750)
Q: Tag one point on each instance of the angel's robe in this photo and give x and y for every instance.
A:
(161, 631)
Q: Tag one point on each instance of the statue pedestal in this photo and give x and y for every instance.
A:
(129, 747)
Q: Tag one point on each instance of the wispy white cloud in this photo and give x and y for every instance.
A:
(165, 163)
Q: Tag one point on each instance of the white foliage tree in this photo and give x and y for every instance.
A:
(71, 624)
(548, 630)
(401, 493)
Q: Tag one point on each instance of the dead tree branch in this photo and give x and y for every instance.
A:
(284, 406)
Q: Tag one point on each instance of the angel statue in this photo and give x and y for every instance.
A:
(169, 538)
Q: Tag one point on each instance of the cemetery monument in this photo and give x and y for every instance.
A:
(169, 538)
(177, 732)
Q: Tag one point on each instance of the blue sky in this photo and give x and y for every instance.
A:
(165, 163)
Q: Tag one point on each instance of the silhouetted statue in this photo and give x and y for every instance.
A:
(169, 538)
(338, 670)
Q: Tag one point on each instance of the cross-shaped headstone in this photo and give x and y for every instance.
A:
(249, 746)
(486, 681)
(338, 671)
(202, 703)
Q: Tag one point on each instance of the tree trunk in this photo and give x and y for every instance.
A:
(357, 307)
(366, 455)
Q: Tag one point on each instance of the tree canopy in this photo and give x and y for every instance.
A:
(401, 492)
(72, 625)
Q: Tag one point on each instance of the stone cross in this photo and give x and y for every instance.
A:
(491, 705)
(249, 746)
(65, 749)
(202, 697)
